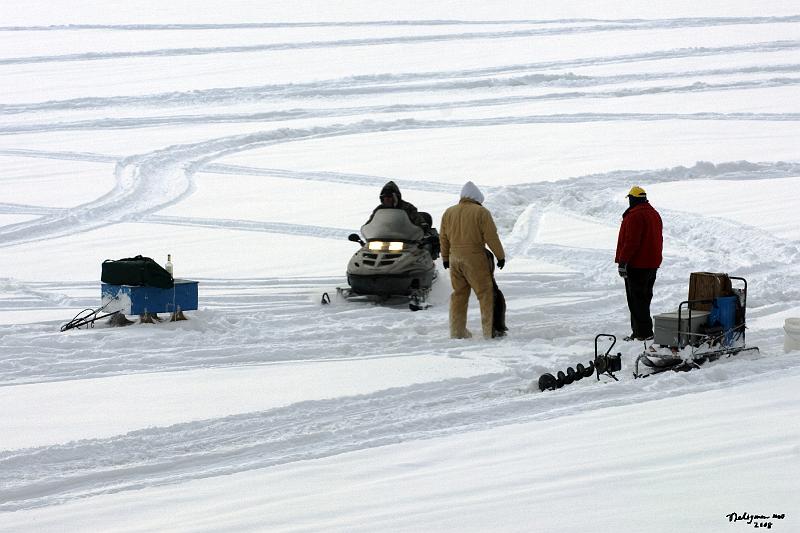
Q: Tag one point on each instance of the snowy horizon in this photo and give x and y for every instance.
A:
(247, 141)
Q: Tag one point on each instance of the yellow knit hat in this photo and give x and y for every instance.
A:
(637, 192)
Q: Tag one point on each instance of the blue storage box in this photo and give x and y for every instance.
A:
(723, 311)
(133, 300)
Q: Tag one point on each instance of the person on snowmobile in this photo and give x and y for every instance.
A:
(639, 254)
(465, 230)
(391, 198)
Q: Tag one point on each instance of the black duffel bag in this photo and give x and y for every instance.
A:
(142, 271)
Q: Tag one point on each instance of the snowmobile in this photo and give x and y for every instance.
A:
(693, 336)
(396, 258)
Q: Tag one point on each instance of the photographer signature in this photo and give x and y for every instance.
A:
(756, 520)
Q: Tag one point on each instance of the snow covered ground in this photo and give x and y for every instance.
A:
(248, 140)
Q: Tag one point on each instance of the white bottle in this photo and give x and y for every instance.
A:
(168, 266)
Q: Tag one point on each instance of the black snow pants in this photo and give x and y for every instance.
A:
(639, 290)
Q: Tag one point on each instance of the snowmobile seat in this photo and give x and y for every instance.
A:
(431, 240)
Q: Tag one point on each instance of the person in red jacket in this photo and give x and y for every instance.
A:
(639, 254)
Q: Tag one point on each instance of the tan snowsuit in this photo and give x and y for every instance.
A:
(465, 229)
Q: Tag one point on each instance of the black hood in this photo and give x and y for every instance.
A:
(391, 188)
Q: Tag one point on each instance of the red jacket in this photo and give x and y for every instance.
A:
(639, 243)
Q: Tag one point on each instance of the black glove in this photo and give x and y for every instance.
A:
(501, 263)
(446, 264)
(622, 268)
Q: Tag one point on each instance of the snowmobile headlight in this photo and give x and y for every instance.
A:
(376, 245)
(395, 246)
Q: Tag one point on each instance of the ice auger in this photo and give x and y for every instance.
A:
(602, 364)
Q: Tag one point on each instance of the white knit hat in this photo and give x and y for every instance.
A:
(471, 191)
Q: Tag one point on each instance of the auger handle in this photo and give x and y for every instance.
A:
(608, 336)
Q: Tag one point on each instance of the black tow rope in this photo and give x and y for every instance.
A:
(87, 317)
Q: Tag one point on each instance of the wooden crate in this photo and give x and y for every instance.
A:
(708, 285)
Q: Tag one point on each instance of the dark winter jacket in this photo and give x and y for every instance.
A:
(640, 241)
(399, 203)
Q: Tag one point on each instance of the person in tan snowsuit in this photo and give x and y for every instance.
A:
(465, 229)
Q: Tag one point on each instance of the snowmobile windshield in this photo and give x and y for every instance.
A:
(391, 224)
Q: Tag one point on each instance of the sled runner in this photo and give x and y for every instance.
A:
(703, 329)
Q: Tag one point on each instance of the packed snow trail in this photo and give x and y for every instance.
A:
(56, 474)
(383, 83)
(670, 22)
(298, 114)
(407, 39)
(147, 183)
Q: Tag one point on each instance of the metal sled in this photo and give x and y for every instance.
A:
(694, 341)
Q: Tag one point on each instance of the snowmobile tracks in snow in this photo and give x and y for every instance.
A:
(49, 475)
(580, 28)
(150, 182)
(409, 82)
